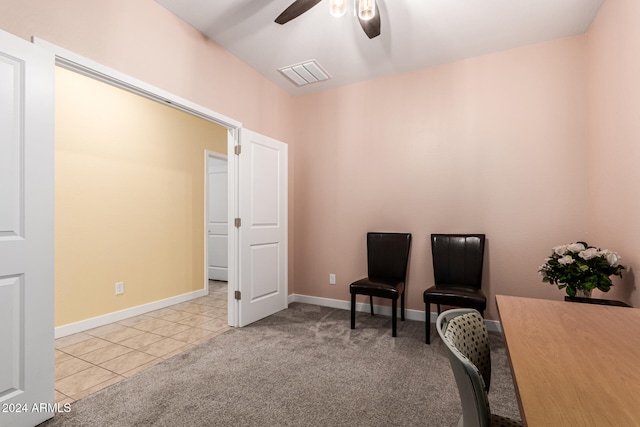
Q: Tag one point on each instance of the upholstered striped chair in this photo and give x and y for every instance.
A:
(467, 341)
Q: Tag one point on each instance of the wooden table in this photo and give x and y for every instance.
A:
(573, 364)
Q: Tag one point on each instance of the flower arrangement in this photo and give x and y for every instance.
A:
(580, 267)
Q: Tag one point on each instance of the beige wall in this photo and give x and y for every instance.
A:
(614, 137)
(489, 145)
(129, 198)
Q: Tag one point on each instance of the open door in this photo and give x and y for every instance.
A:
(262, 185)
(26, 233)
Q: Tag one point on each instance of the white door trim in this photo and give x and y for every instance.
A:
(87, 67)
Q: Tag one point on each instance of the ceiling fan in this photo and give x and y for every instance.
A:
(367, 13)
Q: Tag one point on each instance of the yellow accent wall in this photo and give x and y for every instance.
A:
(129, 201)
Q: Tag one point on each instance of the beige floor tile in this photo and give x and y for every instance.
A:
(161, 312)
(171, 329)
(162, 347)
(71, 339)
(176, 316)
(197, 309)
(192, 336)
(213, 324)
(141, 340)
(61, 356)
(97, 387)
(215, 312)
(152, 324)
(219, 304)
(127, 362)
(70, 367)
(57, 396)
(83, 380)
(101, 331)
(141, 368)
(84, 347)
(194, 320)
(106, 353)
(122, 334)
(132, 321)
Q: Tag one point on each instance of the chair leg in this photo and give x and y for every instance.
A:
(371, 303)
(438, 309)
(427, 322)
(353, 311)
(394, 316)
(402, 307)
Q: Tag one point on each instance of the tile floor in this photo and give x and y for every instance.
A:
(92, 360)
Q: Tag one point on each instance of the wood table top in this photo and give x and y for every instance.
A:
(573, 364)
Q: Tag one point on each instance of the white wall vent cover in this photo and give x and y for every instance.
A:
(305, 73)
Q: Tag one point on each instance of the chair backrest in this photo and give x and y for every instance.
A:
(458, 259)
(388, 255)
(467, 341)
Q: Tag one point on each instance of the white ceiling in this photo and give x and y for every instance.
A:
(415, 33)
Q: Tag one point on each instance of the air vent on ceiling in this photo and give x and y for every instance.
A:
(305, 73)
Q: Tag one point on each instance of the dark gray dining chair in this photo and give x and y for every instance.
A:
(387, 260)
(457, 271)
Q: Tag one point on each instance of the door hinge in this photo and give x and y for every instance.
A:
(238, 295)
(238, 222)
(237, 149)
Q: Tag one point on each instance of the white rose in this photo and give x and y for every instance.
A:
(588, 254)
(560, 250)
(613, 259)
(566, 260)
(576, 247)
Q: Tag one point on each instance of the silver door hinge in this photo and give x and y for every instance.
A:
(237, 149)
(238, 295)
(237, 222)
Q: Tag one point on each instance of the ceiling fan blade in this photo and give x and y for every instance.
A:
(296, 9)
(371, 27)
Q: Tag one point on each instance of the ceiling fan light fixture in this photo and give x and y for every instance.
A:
(366, 9)
(337, 8)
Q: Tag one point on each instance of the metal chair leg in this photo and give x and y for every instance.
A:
(402, 307)
(371, 303)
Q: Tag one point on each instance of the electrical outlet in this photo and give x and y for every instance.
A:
(119, 288)
(332, 279)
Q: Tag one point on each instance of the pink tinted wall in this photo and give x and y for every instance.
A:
(144, 40)
(491, 145)
(613, 95)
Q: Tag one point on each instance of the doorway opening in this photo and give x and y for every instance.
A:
(217, 218)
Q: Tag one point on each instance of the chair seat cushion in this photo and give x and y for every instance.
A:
(377, 288)
(456, 296)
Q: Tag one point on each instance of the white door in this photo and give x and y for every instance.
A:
(217, 223)
(26, 233)
(262, 187)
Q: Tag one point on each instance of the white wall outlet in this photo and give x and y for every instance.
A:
(332, 279)
(119, 288)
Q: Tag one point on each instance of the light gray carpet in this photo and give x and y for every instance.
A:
(303, 366)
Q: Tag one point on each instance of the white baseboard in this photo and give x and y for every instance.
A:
(94, 322)
(492, 325)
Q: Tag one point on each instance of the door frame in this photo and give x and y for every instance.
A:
(79, 64)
